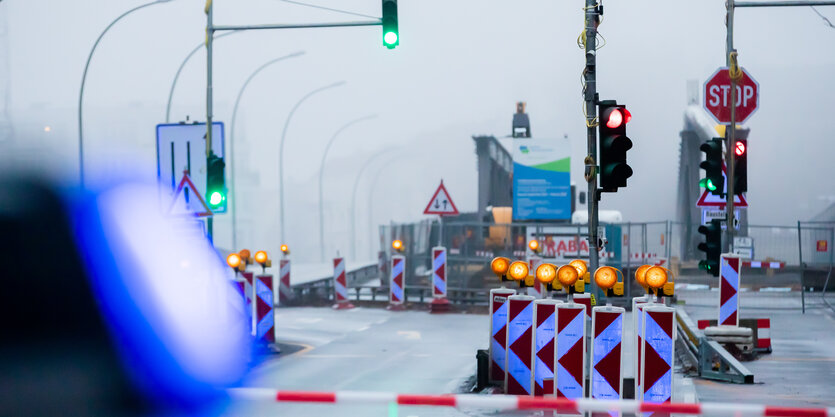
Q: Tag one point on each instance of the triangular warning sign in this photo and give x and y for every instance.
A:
(188, 201)
(709, 200)
(441, 203)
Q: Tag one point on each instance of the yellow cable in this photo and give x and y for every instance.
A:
(734, 71)
(208, 6)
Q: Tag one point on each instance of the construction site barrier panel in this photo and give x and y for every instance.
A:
(606, 377)
(519, 356)
(497, 349)
(397, 284)
(285, 291)
(658, 354)
(439, 270)
(265, 318)
(249, 292)
(544, 340)
(571, 351)
(729, 279)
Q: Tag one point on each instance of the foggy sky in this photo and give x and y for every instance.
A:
(459, 69)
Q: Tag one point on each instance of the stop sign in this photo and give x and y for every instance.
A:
(717, 98)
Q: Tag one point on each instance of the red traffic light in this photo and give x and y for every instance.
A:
(617, 117)
(739, 149)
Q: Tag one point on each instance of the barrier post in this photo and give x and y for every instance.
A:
(265, 319)
(729, 278)
(439, 282)
(638, 304)
(544, 339)
(285, 291)
(606, 377)
(397, 283)
(497, 350)
(584, 299)
(570, 380)
(518, 360)
(658, 354)
(340, 285)
(249, 292)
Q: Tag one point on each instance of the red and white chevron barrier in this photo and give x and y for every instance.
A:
(340, 286)
(729, 279)
(513, 402)
(285, 292)
(763, 265)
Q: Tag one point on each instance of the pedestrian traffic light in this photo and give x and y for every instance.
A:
(613, 145)
(712, 246)
(741, 166)
(713, 181)
(391, 35)
(215, 183)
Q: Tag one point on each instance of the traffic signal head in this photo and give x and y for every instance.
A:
(215, 184)
(741, 166)
(391, 34)
(712, 246)
(614, 171)
(713, 181)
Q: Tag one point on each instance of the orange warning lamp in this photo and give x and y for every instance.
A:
(606, 277)
(534, 246)
(245, 254)
(500, 266)
(284, 249)
(656, 277)
(546, 273)
(261, 257)
(567, 275)
(397, 245)
(580, 266)
(518, 270)
(641, 275)
(234, 261)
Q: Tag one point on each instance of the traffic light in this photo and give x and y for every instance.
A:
(215, 184)
(391, 35)
(741, 166)
(712, 246)
(613, 145)
(713, 181)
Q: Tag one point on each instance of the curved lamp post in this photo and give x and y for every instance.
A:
(231, 159)
(354, 198)
(281, 152)
(84, 81)
(371, 202)
(180, 70)
(321, 176)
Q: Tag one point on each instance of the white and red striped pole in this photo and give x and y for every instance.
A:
(440, 303)
(285, 291)
(729, 279)
(340, 285)
(397, 283)
(514, 402)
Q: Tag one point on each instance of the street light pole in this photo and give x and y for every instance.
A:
(84, 82)
(321, 176)
(231, 160)
(281, 153)
(354, 198)
(371, 203)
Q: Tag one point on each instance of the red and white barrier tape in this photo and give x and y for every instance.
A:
(764, 265)
(513, 402)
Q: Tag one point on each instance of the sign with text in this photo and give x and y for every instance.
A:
(541, 179)
(717, 96)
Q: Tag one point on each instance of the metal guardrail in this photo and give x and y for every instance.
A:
(712, 361)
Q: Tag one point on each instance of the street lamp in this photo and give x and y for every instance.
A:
(281, 151)
(233, 189)
(322, 174)
(180, 70)
(84, 81)
(354, 198)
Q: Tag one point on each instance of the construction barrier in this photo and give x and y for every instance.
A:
(764, 334)
(729, 278)
(249, 292)
(606, 377)
(397, 284)
(340, 285)
(265, 317)
(537, 290)
(544, 338)
(657, 354)
(638, 304)
(571, 351)
(285, 291)
(764, 265)
(519, 362)
(513, 402)
(439, 272)
(497, 350)
(584, 299)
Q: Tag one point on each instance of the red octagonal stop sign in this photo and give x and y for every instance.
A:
(717, 96)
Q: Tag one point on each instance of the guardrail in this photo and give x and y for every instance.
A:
(709, 358)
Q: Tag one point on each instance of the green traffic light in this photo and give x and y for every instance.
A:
(707, 183)
(215, 198)
(390, 38)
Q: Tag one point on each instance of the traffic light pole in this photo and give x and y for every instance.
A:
(590, 97)
(210, 32)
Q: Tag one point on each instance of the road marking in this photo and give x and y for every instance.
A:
(409, 334)
(363, 328)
